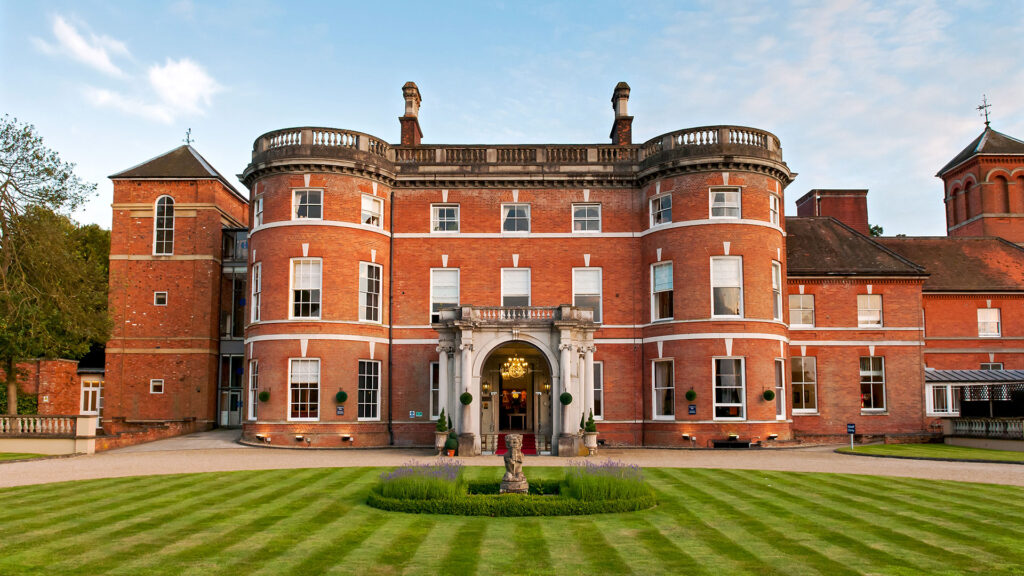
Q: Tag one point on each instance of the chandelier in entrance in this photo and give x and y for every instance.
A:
(514, 367)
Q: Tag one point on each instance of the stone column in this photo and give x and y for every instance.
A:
(469, 438)
(444, 385)
(588, 379)
(566, 369)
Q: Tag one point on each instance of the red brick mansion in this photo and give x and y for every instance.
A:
(359, 288)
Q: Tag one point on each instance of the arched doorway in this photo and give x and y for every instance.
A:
(515, 394)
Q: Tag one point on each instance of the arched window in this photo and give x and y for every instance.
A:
(163, 226)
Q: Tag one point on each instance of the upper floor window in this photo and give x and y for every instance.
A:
(661, 210)
(257, 211)
(661, 291)
(801, 310)
(444, 291)
(872, 383)
(663, 381)
(869, 310)
(586, 290)
(804, 372)
(586, 217)
(727, 286)
(160, 298)
(773, 209)
(988, 322)
(776, 290)
(372, 211)
(991, 365)
(729, 388)
(515, 286)
(257, 289)
(156, 386)
(515, 217)
(444, 218)
(304, 389)
(163, 227)
(369, 291)
(306, 279)
(369, 390)
(307, 204)
(725, 203)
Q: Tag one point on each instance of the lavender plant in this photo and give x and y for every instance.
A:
(424, 480)
(608, 480)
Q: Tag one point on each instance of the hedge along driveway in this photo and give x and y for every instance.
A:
(707, 522)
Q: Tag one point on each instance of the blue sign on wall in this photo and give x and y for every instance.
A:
(851, 428)
(341, 410)
(692, 409)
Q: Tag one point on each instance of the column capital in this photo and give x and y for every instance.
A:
(466, 346)
(447, 347)
(565, 346)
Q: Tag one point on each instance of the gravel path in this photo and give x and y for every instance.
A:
(217, 451)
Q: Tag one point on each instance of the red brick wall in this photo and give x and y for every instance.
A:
(951, 331)
(54, 382)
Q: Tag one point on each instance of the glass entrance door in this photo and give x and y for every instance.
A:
(231, 408)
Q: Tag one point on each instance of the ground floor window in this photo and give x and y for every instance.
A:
(804, 374)
(435, 391)
(729, 389)
(780, 389)
(943, 400)
(305, 389)
(369, 390)
(254, 386)
(598, 391)
(664, 390)
(872, 383)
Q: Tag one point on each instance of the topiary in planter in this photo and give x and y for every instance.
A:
(466, 398)
(691, 395)
(264, 395)
(769, 395)
(341, 396)
(590, 426)
(565, 398)
(451, 443)
(453, 435)
(442, 422)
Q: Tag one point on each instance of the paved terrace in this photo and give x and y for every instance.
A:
(218, 451)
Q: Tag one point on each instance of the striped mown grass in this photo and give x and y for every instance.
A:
(19, 456)
(937, 451)
(314, 521)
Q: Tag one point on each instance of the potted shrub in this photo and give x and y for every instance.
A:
(768, 395)
(452, 444)
(590, 434)
(441, 432)
(691, 395)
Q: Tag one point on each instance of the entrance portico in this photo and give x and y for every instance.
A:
(563, 338)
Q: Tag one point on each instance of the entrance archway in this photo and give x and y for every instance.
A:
(516, 400)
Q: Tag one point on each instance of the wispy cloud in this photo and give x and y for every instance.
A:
(94, 51)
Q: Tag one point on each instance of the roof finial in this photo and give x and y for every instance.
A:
(189, 140)
(983, 109)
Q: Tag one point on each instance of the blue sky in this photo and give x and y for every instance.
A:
(875, 95)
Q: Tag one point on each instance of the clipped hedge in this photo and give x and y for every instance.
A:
(27, 403)
(510, 505)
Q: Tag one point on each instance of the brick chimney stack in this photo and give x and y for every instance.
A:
(622, 129)
(848, 206)
(411, 133)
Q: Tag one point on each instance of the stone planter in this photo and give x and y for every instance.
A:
(439, 439)
(590, 442)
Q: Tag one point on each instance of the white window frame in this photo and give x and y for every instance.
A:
(434, 377)
(504, 216)
(776, 290)
(801, 384)
(365, 307)
(435, 218)
(773, 209)
(291, 289)
(586, 219)
(885, 400)
(156, 386)
(950, 396)
(257, 292)
(985, 326)
(654, 294)
(374, 202)
(656, 213)
(598, 390)
(864, 305)
(654, 388)
(742, 375)
(991, 366)
(92, 389)
(295, 204)
(257, 211)
(254, 385)
(360, 390)
(529, 294)
(291, 402)
(725, 206)
(780, 388)
(738, 259)
(458, 288)
(801, 298)
(156, 298)
(157, 228)
(599, 312)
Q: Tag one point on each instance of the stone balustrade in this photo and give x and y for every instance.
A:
(36, 434)
(994, 428)
(517, 315)
(34, 425)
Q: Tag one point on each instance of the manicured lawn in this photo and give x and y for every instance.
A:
(17, 456)
(312, 521)
(938, 451)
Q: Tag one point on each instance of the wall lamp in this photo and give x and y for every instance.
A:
(298, 438)
(773, 436)
(347, 438)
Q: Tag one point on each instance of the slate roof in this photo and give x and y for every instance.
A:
(964, 264)
(974, 376)
(824, 246)
(184, 162)
(988, 142)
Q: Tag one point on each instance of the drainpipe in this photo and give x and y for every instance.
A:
(391, 299)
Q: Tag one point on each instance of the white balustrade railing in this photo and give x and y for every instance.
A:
(515, 313)
(1007, 428)
(35, 425)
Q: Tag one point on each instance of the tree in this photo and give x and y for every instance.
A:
(52, 289)
(876, 230)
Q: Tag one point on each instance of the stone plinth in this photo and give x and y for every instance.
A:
(515, 486)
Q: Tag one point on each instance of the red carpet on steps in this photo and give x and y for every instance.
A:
(529, 445)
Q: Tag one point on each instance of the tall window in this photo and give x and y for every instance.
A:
(586, 217)
(515, 217)
(515, 286)
(727, 286)
(163, 227)
(257, 211)
(369, 292)
(598, 391)
(306, 288)
(773, 209)
(729, 390)
(257, 289)
(254, 388)
(586, 290)
(307, 204)
(988, 322)
(943, 400)
(725, 203)
(664, 390)
(869, 310)
(444, 290)
(872, 383)
(444, 218)
(372, 211)
(801, 310)
(304, 389)
(369, 390)
(804, 373)
(661, 291)
(661, 210)
(780, 389)
(435, 390)
(776, 290)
